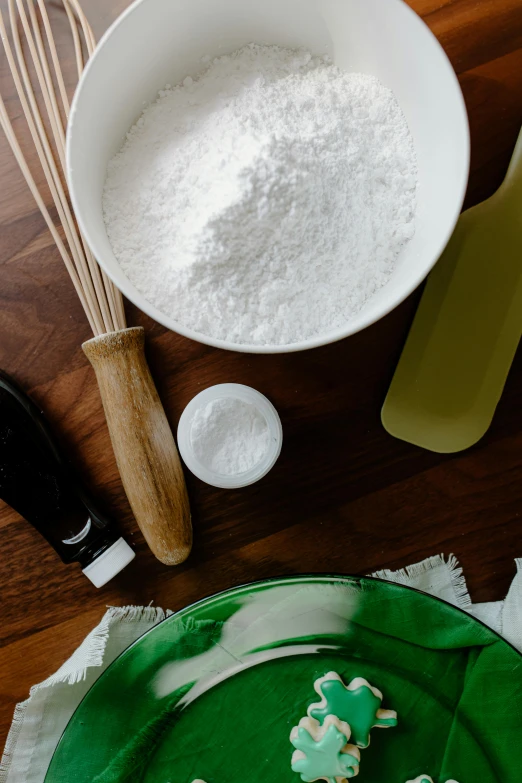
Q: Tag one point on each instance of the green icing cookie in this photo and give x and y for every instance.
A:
(321, 757)
(426, 779)
(358, 704)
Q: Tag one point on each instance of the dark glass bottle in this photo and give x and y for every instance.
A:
(38, 483)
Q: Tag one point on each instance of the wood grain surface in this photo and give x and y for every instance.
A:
(344, 497)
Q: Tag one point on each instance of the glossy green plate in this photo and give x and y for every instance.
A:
(213, 691)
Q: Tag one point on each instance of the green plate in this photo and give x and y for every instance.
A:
(213, 691)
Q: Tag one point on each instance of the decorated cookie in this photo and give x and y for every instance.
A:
(357, 704)
(426, 779)
(322, 752)
(318, 730)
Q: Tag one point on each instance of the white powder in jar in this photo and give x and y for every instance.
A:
(265, 200)
(229, 436)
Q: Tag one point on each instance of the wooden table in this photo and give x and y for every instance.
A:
(344, 497)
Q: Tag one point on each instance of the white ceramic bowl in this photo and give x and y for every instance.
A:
(159, 41)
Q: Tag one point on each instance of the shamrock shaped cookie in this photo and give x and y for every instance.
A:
(426, 779)
(322, 751)
(358, 704)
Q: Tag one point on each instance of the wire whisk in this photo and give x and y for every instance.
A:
(46, 119)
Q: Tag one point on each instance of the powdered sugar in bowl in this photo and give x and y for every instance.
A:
(164, 41)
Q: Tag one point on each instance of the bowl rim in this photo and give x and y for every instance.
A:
(358, 324)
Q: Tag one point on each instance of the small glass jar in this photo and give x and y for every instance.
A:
(248, 395)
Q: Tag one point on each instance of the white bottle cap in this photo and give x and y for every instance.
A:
(109, 563)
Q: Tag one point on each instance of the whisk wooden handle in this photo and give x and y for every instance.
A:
(145, 450)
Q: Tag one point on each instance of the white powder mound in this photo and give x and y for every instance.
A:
(266, 200)
(229, 436)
